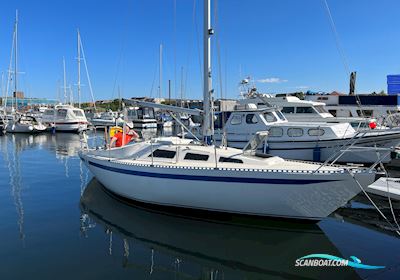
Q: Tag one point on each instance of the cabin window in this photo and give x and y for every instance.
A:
(304, 110)
(49, 112)
(320, 109)
(316, 132)
(269, 117)
(78, 113)
(365, 113)
(148, 113)
(163, 154)
(280, 115)
(295, 132)
(288, 110)
(275, 132)
(236, 119)
(333, 112)
(251, 119)
(132, 113)
(232, 160)
(62, 112)
(192, 156)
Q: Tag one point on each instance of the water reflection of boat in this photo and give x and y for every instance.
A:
(252, 248)
(64, 144)
(11, 155)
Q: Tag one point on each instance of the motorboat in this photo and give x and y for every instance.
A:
(182, 173)
(65, 118)
(297, 110)
(312, 141)
(25, 124)
(108, 118)
(376, 106)
(141, 117)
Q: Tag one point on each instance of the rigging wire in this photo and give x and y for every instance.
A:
(346, 66)
(174, 38)
(87, 75)
(337, 39)
(154, 79)
(190, 46)
(218, 47)
(199, 54)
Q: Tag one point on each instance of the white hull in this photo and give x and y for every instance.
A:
(259, 249)
(145, 124)
(297, 196)
(22, 128)
(100, 122)
(68, 127)
(383, 185)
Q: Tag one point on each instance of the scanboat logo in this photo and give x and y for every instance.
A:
(329, 260)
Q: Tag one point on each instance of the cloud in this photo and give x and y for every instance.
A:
(272, 81)
(302, 87)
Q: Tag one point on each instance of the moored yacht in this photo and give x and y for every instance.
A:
(108, 118)
(297, 110)
(180, 173)
(313, 141)
(65, 118)
(25, 124)
(141, 117)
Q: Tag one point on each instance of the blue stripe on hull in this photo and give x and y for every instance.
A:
(210, 178)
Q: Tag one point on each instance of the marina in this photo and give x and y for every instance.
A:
(57, 220)
(194, 178)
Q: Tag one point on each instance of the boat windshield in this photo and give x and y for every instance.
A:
(320, 109)
(253, 144)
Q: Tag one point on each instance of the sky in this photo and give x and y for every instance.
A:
(282, 45)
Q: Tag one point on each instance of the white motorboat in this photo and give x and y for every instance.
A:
(179, 173)
(65, 118)
(108, 118)
(141, 117)
(303, 140)
(296, 110)
(360, 105)
(25, 124)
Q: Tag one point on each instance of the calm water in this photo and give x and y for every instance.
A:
(56, 222)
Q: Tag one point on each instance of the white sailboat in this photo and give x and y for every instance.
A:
(19, 123)
(181, 173)
(65, 117)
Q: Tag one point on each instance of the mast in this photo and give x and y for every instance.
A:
(160, 73)
(16, 59)
(208, 123)
(65, 82)
(79, 69)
